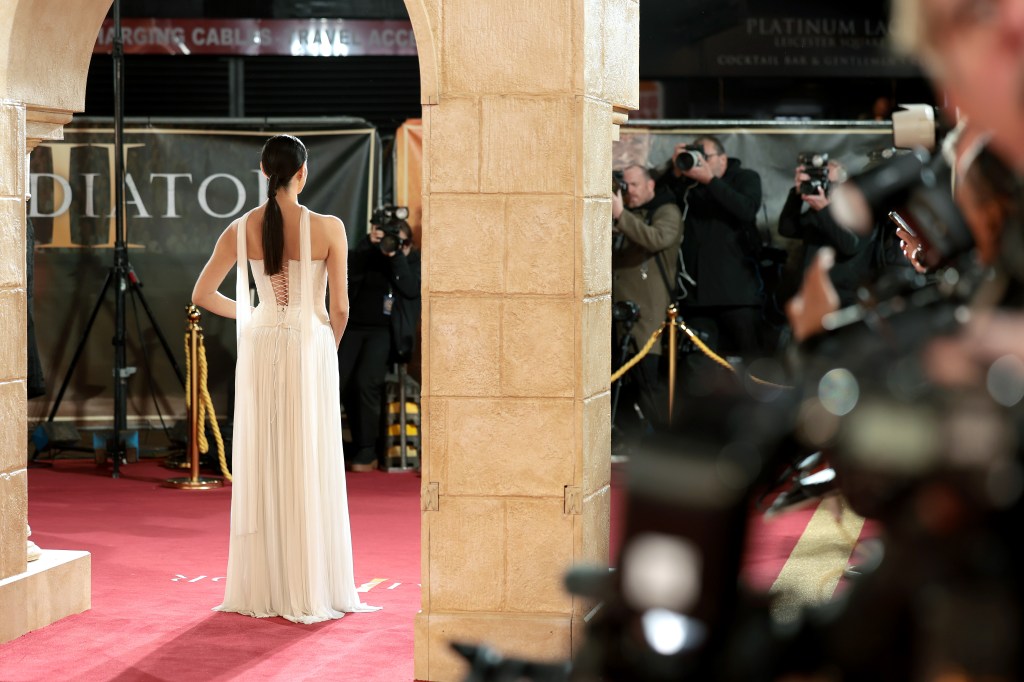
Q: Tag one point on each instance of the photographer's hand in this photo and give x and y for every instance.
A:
(679, 149)
(800, 177)
(701, 173)
(817, 297)
(617, 205)
(911, 247)
(816, 201)
(375, 235)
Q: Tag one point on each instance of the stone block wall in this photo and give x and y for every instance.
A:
(517, 317)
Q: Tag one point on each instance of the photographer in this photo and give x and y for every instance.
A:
(719, 201)
(384, 288)
(647, 228)
(805, 216)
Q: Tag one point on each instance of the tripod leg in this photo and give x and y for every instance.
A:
(81, 345)
(627, 343)
(137, 290)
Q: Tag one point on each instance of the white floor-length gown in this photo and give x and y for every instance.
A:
(290, 552)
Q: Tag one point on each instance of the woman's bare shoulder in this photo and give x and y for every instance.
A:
(326, 227)
(325, 221)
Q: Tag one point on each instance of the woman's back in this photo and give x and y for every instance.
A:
(291, 550)
(319, 241)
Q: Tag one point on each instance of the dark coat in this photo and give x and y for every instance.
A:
(854, 255)
(721, 245)
(649, 234)
(372, 277)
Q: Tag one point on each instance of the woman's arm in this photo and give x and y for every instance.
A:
(337, 276)
(205, 294)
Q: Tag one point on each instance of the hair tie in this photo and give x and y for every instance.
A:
(271, 186)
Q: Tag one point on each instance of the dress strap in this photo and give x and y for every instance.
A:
(309, 347)
(244, 465)
(305, 247)
(242, 306)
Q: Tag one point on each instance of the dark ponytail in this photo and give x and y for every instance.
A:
(282, 157)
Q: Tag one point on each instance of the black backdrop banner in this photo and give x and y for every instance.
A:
(184, 185)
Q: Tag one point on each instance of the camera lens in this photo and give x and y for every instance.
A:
(389, 243)
(687, 160)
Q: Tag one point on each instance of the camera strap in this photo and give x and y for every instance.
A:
(664, 276)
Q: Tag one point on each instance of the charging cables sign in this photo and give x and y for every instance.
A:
(253, 37)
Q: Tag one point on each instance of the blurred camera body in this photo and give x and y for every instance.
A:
(816, 167)
(692, 156)
(391, 221)
(915, 125)
(625, 311)
(619, 182)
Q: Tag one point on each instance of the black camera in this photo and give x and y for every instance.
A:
(619, 182)
(690, 157)
(912, 191)
(625, 311)
(391, 221)
(816, 167)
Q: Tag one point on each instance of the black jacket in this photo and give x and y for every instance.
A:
(720, 237)
(371, 275)
(854, 261)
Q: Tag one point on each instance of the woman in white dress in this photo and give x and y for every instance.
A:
(290, 553)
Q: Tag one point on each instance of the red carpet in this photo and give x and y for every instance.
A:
(157, 558)
(158, 555)
(769, 544)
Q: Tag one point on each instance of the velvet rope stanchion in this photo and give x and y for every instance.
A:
(193, 399)
(673, 313)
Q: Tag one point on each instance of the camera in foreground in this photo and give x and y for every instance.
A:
(391, 221)
(692, 155)
(816, 167)
(625, 311)
(619, 182)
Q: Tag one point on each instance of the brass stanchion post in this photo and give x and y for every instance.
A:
(194, 338)
(673, 313)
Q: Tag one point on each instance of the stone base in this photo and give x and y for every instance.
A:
(544, 638)
(57, 585)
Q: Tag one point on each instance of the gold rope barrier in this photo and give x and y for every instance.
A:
(671, 324)
(720, 360)
(640, 354)
(198, 404)
(206, 405)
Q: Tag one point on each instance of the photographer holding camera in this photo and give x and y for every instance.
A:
(384, 290)
(647, 228)
(719, 200)
(805, 216)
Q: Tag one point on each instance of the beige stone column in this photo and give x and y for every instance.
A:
(45, 49)
(13, 428)
(516, 315)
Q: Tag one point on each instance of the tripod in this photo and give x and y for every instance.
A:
(627, 348)
(121, 274)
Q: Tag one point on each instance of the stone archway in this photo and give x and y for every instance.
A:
(44, 59)
(520, 105)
